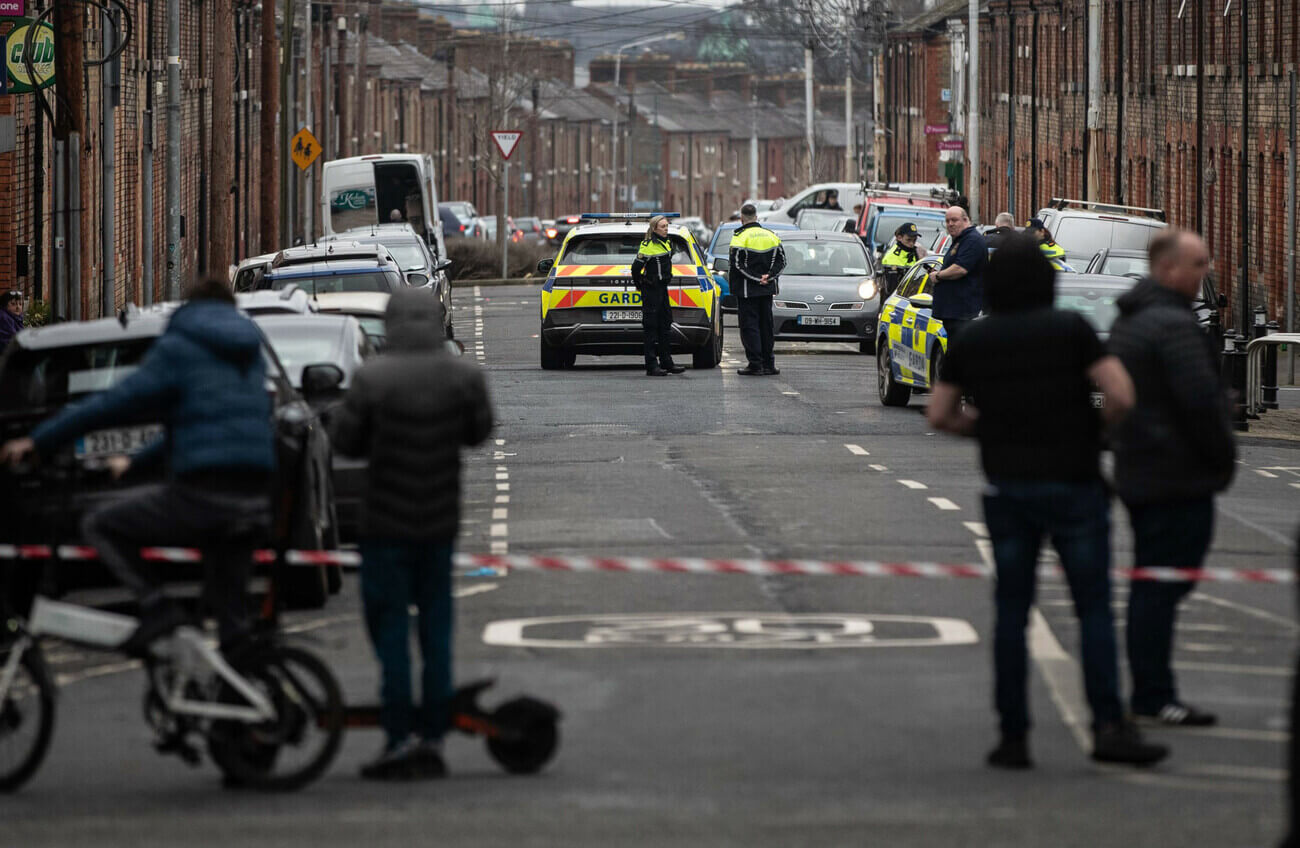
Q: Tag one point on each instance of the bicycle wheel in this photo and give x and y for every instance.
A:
(26, 719)
(296, 747)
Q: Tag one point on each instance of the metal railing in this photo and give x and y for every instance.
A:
(1255, 367)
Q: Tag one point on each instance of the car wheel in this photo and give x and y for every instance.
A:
(552, 357)
(306, 586)
(710, 353)
(936, 366)
(891, 393)
(568, 358)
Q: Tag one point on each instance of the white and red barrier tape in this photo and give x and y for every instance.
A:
(661, 565)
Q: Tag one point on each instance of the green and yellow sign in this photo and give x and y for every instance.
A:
(18, 78)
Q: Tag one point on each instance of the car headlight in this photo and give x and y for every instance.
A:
(867, 289)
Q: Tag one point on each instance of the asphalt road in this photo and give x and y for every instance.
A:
(733, 710)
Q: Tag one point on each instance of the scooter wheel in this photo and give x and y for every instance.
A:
(530, 734)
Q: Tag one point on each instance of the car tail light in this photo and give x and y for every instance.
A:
(573, 219)
(462, 228)
(551, 232)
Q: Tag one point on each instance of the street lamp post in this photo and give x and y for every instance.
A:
(618, 67)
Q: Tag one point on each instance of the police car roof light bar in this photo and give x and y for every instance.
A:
(626, 216)
(1063, 202)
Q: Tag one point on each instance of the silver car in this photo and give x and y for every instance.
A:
(828, 290)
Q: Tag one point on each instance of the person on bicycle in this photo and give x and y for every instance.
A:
(205, 379)
(409, 412)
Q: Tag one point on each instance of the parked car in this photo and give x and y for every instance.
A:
(362, 191)
(248, 273)
(825, 220)
(46, 368)
(720, 247)
(698, 228)
(815, 196)
(1083, 227)
(883, 220)
(459, 220)
(421, 268)
(1124, 263)
(828, 291)
(302, 341)
(531, 230)
(560, 228)
(379, 274)
(289, 300)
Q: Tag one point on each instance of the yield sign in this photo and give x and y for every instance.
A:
(506, 141)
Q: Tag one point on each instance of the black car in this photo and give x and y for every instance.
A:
(459, 220)
(45, 368)
(300, 341)
(556, 233)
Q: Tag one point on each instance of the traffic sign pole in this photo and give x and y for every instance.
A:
(506, 142)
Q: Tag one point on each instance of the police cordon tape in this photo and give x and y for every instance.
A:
(500, 564)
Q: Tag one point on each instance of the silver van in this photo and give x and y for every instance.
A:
(1085, 227)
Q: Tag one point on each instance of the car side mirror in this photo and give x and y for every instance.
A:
(321, 380)
(455, 347)
(417, 279)
(722, 264)
(442, 265)
(922, 300)
(544, 265)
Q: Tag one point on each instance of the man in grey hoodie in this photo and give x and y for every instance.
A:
(409, 412)
(1172, 454)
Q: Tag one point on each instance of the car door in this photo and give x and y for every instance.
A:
(913, 332)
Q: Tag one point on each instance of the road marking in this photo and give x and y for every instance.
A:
(1262, 473)
(503, 499)
(502, 475)
(857, 450)
(1295, 485)
(1238, 772)
(1239, 733)
(943, 503)
(97, 671)
(912, 484)
(500, 442)
(499, 514)
(1246, 609)
(503, 487)
(977, 527)
(499, 548)
(498, 530)
(877, 468)
(1062, 675)
(662, 531)
(478, 589)
(1226, 668)
(1206, 648)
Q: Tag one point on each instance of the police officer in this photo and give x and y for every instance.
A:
(1054, 252)
(757, 260)
(652, 271)
(901, 256)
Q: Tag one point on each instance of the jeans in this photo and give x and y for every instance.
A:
(1076, 516)
(224, 525)
(657, 326)
(394, 575)
(1176, 535)
(755, 317)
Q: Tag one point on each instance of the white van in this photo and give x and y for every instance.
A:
(785, 211)
(362, 191)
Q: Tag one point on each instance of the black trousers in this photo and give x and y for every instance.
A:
(657, 326)
(755, 316)
(225, 526)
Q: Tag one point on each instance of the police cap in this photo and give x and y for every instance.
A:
(908, 229)
(1035, 224)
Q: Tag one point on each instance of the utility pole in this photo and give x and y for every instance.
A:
(341, 133)
(308, 68)
(1093, 177)
(973, 115)
(221, 203)
(808, 107)
(173, 149)
(1243, 188)
(271, 150)
(108, 182)
(753, 147)
(146, 176)
(848, 98)
(69, 128)
(286, 107)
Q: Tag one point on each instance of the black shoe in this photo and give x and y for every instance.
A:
(156, 621)
(675, 369)
(400, 762)
(1175, 714)
(1121, 742)
(1012, 753)
(751, 371)
(427, 762)
(656, 372)
(771, 372)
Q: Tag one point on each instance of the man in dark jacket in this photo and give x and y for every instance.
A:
(959, 282)
(757, 260)
(1171, 456)
(1004, 225)
(206, 380)
(409, 412)
(11, 317)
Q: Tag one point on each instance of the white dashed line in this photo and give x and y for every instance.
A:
(500, 514)
(977, 527)
(499, 530)
(503, 499)
(912, 484)
(1262, 473)
(503, 487)
(943, 503)
(499, 548)
(1295, 485)
(501, 475)
(877, 468)
(857, 450)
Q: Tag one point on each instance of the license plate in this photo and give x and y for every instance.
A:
(819, 320)
(121, 440)
(622, 315)
(1098, 400)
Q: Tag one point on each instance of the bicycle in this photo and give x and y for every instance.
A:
(253, 710)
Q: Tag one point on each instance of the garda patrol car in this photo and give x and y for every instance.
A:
(590, 306)
(909, 343)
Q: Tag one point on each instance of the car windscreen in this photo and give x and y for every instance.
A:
(887, 223)
(1096, 303)
(343, 281)
(409, 255)
(36, 379)
(1120, 266)
(616, 249)
(824, 259)
(300, 343)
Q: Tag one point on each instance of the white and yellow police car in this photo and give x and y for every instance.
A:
(910, 344)
(589, 305)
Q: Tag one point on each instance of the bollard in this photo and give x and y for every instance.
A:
(1261, 323)
(1268, 381)
(1234, 377)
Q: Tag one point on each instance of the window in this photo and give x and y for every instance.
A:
(50, 378)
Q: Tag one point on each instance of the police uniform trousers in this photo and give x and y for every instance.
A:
(657, 326)
(755, 317)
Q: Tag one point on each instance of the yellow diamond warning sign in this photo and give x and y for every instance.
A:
(304, 148)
